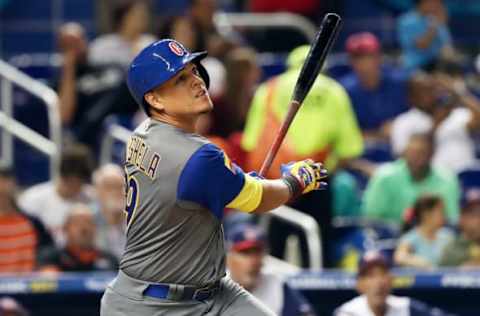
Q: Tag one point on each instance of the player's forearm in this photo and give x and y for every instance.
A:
(275, 193)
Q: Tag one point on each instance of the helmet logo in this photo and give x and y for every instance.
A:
(176, 48)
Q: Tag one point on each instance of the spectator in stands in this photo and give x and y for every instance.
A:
(422, 246)
(200, 13)
(246, 251)
(464, 251)
(313, 133)
(10, 307)
(51, 201)
(109, 184)
(443, 107)
(180, 28)
(21, 236)
(131, 19)
(227, 120)
(374, 283)
(424, 35)
(80, 252)
(88, 93)
(232, 106)
(324, 129)
(395, 186)
(377, 91)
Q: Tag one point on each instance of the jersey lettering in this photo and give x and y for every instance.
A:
(140, 155)
(132, 196)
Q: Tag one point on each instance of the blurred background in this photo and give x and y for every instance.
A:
(395, 117)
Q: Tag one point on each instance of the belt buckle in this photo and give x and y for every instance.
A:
(202, 294)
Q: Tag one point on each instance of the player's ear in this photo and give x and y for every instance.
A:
(154, 100)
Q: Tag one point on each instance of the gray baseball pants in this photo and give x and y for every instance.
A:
(124, 296)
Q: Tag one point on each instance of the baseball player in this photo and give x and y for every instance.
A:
(178, 184)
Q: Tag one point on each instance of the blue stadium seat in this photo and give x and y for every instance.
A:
(354, 236)
(469, 178)
(378, 152)
(338, 66)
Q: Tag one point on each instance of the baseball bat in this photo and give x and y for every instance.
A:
(319, 49)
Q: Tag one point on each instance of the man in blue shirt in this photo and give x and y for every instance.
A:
(378, 92)
(423, 35)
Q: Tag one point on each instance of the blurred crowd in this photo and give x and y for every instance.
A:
(399, 134)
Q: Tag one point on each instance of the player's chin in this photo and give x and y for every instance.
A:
(205, 105)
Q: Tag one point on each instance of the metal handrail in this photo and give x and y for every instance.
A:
(9, 75)
(306, 223)
(114, 133)
(227, 21)
(28, 135)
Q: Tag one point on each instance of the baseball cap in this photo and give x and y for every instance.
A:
(469, 197)
(362, 43)
(370, 260)
(245, 236)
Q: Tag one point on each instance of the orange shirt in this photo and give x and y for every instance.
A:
(18, 241)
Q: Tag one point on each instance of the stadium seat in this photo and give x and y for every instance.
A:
(470, 177)
(354, 236)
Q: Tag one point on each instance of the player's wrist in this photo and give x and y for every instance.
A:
(293, 185)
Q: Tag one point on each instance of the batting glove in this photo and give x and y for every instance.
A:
(303, 176)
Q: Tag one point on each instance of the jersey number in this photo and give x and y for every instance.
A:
(131, 192)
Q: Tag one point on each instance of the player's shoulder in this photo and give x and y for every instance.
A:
(164, 137)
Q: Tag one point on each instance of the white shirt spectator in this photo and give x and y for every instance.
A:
(454, 146)
(270, 291)
(113, 49)
(44, 202)
(358, 306)
(396, 306)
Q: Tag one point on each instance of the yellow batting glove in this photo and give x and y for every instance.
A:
(303, 176)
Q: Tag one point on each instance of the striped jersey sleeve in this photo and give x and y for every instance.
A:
(210, 179)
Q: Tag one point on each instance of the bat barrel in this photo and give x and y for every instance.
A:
(313, 64)
(322, 44)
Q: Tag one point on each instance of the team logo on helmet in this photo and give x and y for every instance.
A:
(176, 49)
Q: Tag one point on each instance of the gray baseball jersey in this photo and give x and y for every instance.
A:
(178, 185)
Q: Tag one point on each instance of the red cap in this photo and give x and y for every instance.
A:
(245, 236)
(362, 43)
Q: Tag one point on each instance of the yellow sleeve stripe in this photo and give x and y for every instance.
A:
(249, 197)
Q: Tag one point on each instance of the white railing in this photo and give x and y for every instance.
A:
(114, 133)
(226, 22)
(10, 75)
(307, 224)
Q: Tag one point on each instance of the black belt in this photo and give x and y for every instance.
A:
(180, 292)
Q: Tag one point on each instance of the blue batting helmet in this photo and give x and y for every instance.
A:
(157, 63)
